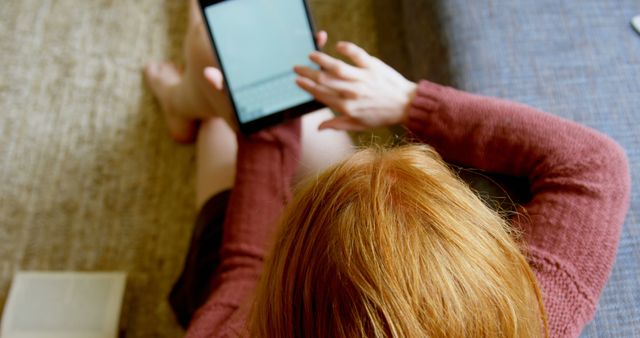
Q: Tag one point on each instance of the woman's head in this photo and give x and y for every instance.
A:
(390, 243)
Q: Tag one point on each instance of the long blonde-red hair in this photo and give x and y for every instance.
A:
(391, 243)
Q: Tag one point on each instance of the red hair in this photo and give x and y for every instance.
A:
(391, 243)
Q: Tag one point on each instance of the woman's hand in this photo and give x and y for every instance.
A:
(367, 94)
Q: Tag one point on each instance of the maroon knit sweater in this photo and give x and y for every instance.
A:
(579, 181)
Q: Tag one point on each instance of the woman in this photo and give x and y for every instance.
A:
(392, 243)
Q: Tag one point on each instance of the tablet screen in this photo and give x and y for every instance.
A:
(258, 42)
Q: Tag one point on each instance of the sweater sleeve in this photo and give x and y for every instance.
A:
(579, 180)
(266, 164)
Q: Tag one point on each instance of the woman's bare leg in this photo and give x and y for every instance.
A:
(320, 149)
(185, 95)
(217, 150)
(187, 99)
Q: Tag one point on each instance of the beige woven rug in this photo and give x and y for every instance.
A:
(89, 179)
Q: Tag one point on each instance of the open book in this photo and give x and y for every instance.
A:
(63, 305)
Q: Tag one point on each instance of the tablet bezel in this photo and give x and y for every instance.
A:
(274, 118)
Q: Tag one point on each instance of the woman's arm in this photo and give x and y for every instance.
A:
(266, 164)
(579, 181)
(579, 178)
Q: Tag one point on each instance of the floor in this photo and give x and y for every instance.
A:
(90, 180)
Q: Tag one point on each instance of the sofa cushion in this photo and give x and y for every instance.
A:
(576, 59)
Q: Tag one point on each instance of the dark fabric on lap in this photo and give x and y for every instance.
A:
(193, 286)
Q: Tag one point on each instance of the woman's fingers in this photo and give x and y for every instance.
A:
(321, 38)
(307, 72)
(335, 67)
(346, 89)
(321, 93)
(355, 53)
(342, 122)
(214, 77)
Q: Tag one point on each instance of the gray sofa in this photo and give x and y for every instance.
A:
(576, 59)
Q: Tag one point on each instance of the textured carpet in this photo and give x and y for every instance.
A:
(89, 179)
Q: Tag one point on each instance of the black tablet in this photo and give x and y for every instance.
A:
(257, 43)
